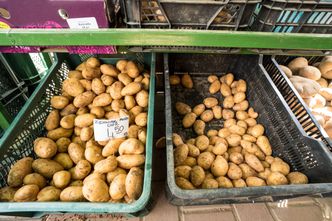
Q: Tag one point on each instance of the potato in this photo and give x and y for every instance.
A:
(191, 141)
(234, 172)
(161, 143)
(239, 183)
(132, 69)
(236, 149)
(225, 90)
(254, 162)
(210, 102)
(76, 183)
(233, 140)
(7, 194)
(131, 146)
(214, 87)
(325, 68)
(242, 106)
(249, 147)
(35, 178)
(84, 120)
(59, 102)
(180, 153)
(141, 119)
(117, 87)
(224, 182)
(111, 175)
(136, 110)
(219, 149)
(280, 166)
(184, 183)
(242, 123)
(102, 100)
(67, 122)
(49, 193)
(82, 110)
(129, 161)
(182, 108)
(322, 82)
(72, 86)
(212, 132)
(326, 93)
(46, 167)
(81, 170)
(182, 171)
(188, 120)
(229, 122)
(64, 160)
(90, 73)
(219, 166)
(224, 132)
(296, 64)
(131, 89)
(186, 81)
(199, 127)
(61, 179)
(235, 129)
(205, 160)
(117, 188)
(227, 114)
(142, 98)
(93, 154)
(69, 109)
(193, 150)
(75, 74)
(96, 190)
(197, 175)
(217, 112)
(99, 112)
(174, 79)
(257, 130)
(306, 87)
(72, 194)
(310, 72)
(202, 142)
(124, 78)
(26, 193)
(52, 121)
(190, 161)
(78, 140)
(76, 152)
(112, 147)
(94, 175)
(236, 158)
(87, 84)
(276, 178)
(239, 97)
(212, 78)
(318, 101)
(107, 80)
(247, 171)
(18, 171)
(129, 102)
(106, 165)
(134, 183)
(209, 184)
(286, 70)
(297, 178)
(45, 147)
(228, 102)
(255, 181)
(264, 175)
(97, 86)
(92, 62)
(251, 122)
(199, 109)
(264, 144)
(109, 70)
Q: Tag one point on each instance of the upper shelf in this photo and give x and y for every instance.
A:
(162, 37)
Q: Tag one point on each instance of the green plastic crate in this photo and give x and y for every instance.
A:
(18, 140)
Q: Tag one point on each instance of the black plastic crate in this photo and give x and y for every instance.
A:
(290, 142)
(304, 16)
(299, 108)
(202, 14)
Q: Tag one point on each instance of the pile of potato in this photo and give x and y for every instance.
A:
(313, 82)
(237, 154)
(70, 164)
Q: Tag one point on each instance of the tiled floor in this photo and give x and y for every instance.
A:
(300, 209)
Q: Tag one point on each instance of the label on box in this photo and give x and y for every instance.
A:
(110, 129)
(82, 23)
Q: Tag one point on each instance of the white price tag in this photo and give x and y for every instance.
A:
(82, 23)
(110, 129)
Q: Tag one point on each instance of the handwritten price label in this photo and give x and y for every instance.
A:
(110, 129)
(82, 23)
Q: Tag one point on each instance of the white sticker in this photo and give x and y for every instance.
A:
(110, 129)
(82, 23)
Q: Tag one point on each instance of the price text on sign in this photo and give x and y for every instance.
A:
(110, 129)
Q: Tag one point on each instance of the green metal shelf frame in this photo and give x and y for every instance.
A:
(164, 37)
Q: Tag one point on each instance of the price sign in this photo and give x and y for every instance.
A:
(110, 129)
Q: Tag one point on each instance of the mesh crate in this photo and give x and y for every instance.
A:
(306, 16)
(18, 140)
(299, 108)
(289, 140)
(203, 14)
